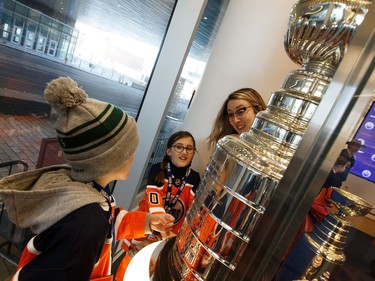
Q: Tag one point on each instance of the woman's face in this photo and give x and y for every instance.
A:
(240, 114)
(182, 152)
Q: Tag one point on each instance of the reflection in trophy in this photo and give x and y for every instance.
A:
(317, 254)
(245, 170)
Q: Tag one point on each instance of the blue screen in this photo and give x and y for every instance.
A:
(364, 165)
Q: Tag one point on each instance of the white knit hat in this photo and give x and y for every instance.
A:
(96, 137)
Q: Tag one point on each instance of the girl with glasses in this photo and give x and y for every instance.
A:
(236, 115)
(171, 188)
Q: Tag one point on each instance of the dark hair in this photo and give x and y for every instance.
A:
(172, 139)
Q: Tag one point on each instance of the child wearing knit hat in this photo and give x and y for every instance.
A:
(69, 208)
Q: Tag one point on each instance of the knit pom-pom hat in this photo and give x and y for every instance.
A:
(96, 137)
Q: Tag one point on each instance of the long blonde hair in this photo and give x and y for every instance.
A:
(221, 126)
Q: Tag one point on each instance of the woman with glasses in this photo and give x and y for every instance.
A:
(236, 115)
(171, 187)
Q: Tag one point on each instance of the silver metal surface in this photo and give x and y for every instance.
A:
(244, 172)
(345, 103)
(320, 32)
(318, 253)
(349, 204)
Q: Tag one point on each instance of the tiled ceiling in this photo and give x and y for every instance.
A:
(145, 20)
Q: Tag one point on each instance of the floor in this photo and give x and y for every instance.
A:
(6, 269)
(360, 258)
(21, 137)
(8, 259)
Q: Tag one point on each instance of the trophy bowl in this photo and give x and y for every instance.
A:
(349, 204)
(320, 30)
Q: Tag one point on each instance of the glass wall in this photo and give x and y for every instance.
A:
(108, 47)
(33, 31)
(188, 82)
(111, 48)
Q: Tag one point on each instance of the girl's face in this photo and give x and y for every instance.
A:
(182, 152)
(240, 114)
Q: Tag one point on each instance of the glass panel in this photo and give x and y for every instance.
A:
(34, 15)
(109, 47)
(21, 9)
(17, 34)
(189, 80)
(9, 5)
(6, 29)
(47, 21)
(30, 38)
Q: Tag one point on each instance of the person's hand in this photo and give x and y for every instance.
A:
(328, 200)
(165, 235)
(161, 223)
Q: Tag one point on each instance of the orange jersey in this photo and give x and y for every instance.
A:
(67, 240)
(155, 195)
(153, 201)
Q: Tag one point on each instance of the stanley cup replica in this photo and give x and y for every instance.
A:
(317, 254)
(245, 170)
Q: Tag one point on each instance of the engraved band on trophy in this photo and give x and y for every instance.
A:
(245, 170)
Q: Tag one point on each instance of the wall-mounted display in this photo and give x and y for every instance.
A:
(364, 165)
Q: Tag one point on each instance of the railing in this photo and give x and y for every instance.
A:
(10, 165)
(8, 229)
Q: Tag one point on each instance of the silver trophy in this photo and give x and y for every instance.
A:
(317, 254)
(245, 170)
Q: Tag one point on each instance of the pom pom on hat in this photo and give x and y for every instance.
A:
(64, 93)
(96, 137)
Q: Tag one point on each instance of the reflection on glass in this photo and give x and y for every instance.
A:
(108, 47)
(190, 77)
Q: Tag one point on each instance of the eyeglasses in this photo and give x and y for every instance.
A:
(239, 113)
(180, 148)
